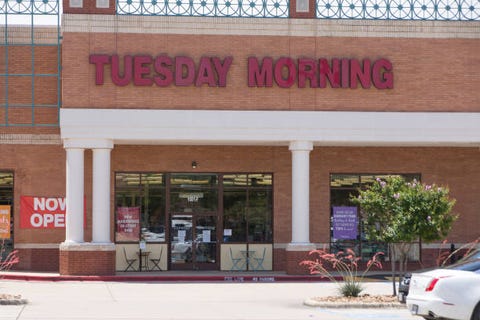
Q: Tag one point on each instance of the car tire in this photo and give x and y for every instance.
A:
(476, 312)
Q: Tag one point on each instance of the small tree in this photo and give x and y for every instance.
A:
(395, 211)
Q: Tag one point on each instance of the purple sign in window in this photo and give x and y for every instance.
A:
(345, 223)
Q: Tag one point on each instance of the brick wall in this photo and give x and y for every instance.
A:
(293, 259)
(87, 262)
(37, 260)
(39, 170)
(423, 80)
(45, 88)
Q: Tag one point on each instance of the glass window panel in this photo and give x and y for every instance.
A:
(259, 179)
(128, 198)
(344, 181)
(127, 180)
(188, 179)
(206, 239)
(234, 215)
(190, 200)
(140, 207)
(259, 216)
(181, 236)
(152, 179)
(153, 218)
(6, 179)
(235, 180)
(368, 179)
(6, 188)
(341, 197)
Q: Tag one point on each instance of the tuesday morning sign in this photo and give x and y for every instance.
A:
(212, 71)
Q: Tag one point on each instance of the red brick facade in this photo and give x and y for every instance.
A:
(423, 81)
(77, 263)
(38, 260)
(457, 165)
(430, 75)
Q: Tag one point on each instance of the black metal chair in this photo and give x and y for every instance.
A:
(129, 261)
(156, 261)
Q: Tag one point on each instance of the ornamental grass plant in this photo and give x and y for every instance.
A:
(7, 260)
(341, 268)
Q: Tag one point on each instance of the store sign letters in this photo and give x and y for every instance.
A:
(285, 72)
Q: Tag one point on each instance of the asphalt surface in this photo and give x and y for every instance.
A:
(183, 300)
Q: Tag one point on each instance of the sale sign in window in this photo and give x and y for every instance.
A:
(128, 224)
(345, 223)
(4, 222)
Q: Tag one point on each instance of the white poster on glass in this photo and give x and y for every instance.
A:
(181, 235)
(206, 236)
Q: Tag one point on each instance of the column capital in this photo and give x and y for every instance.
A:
(88, 143)
(301, 146)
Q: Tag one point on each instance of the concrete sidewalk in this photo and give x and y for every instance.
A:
(177, 300)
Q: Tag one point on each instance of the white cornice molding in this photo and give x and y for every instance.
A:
(322, 128)
(270, 27)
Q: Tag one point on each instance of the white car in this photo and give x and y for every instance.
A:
(446, 294)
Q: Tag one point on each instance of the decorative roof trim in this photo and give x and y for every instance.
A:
(270, 27)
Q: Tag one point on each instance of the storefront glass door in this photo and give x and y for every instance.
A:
(193, 208)
(193, 242)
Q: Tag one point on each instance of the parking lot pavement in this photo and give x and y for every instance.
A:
(181, 301)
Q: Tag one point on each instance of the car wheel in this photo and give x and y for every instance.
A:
(476, 312)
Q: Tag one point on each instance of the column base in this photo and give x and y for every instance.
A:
(95, 259)
(296, 253)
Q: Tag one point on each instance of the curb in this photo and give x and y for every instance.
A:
(167, 278)
(356, 305)
(13, 301)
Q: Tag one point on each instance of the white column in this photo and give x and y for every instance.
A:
(75, 196)
(101, 196)
(300, 192)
